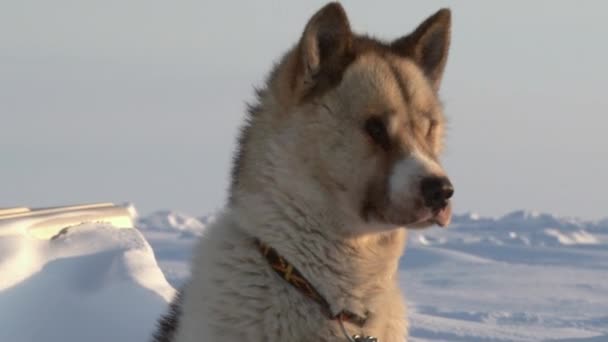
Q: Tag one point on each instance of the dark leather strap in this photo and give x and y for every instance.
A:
(291, 275)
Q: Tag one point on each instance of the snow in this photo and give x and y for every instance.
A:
(171, 221)
(526, 276)
(172, 236)
(91, 282)
(523, 277)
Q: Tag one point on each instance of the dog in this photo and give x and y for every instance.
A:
(338, 155)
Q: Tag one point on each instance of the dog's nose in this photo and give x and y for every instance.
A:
(436, 191)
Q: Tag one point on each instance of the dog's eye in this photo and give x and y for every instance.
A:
(376, 129)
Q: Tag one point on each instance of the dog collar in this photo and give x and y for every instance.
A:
(291, 275)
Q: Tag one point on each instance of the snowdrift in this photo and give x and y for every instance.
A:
(88, 282)
(523, 228)
(45, 223)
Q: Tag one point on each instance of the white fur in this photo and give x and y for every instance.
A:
(235, 296)
(405, 177)
(305, 183)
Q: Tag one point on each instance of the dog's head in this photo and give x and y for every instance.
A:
(354, 124)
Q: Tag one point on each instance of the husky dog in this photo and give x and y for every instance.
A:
(337, 157)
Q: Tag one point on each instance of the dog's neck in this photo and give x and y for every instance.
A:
(347, 271)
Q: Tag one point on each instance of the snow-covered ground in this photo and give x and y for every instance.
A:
(523, 277)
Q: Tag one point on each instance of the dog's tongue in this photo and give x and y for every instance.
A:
(442, 218)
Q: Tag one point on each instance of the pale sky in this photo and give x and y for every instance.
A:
(141, 100)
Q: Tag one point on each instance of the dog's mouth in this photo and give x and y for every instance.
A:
(427, 217)
(443, 216)
(419, 218)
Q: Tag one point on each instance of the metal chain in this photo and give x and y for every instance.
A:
(355, 338)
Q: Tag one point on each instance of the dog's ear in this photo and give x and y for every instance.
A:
(428, 45)
(326, 40)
